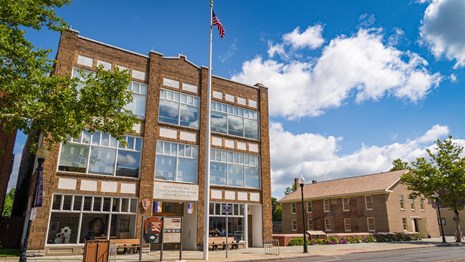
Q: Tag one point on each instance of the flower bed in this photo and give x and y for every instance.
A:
(351, 239)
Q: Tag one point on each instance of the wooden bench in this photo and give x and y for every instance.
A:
(220, 242)
(126, 244)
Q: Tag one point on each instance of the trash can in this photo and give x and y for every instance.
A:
(96, 251)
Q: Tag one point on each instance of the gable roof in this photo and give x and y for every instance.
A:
(367, 184)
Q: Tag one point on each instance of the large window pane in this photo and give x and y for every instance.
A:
(218, 173)
(189, 116)
(252, 178)
(94, 226)
(165, 167)
(219, 122)
(235, 175)
(73, 158)
(128, 163)
(235, 125)
(102, 160)
(169, 112)
(187, 170)
(63, 228)
(137, 106)
(251, 128)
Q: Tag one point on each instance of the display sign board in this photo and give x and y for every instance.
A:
(152, 229)
(175, 191)
(172, 230)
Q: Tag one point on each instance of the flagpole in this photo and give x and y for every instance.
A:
(206, 216)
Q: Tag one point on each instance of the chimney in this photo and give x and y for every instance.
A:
(314, 181)
(296, 183)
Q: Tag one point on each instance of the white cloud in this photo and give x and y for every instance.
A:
(360, 64)
(443, 29)
(315, 156)
(311, 38)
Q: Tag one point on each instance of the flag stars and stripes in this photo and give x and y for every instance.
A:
(216, 21)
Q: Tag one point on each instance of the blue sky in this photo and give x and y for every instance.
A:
(353, 84)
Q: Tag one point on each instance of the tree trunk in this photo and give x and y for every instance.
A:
(458, 232)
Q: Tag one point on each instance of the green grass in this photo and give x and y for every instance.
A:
(9, 252)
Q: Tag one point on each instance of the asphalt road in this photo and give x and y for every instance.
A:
(428, 254)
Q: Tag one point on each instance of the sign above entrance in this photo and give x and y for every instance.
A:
(175, 191)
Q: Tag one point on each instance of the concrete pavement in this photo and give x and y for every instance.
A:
(258, 254)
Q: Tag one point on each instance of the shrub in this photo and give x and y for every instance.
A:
(299, 241)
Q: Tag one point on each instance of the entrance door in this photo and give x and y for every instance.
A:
(249, 229)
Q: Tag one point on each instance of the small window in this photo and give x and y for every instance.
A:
(404, 223)
(293, 208)
(347, 225)
(310, 224)
(412, 204)
(326, 206)
(327, 225)
(422, 204)
(294, 225)
(345, 204)
(309, 207)
(371, 224)
(368, 203)
(401, 200)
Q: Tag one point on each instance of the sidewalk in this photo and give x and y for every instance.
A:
(258, 254)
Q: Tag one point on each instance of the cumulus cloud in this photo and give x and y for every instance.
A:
(443, 29)
(311, 38)
(360, 65)
(316, 156)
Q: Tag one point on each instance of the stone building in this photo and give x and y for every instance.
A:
(95, 186)
(370, 203)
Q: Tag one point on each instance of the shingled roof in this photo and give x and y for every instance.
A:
(357, 185)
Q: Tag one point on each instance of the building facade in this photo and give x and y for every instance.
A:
(96, 188)
(371, 203)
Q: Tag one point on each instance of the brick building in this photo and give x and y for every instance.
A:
(94, 186)
(371, 203)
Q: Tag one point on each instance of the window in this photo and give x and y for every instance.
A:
(176, 162)
(139, 92)
(100, 153)
(368, 203)
(327, 225)
(412, 204)
(401, 199)
(179, 109)
(347, 225)
(345, 204)
(216, 210)
(326, 205)
(234, 121)
(294, 225)
(293, 208)
(404, 223)
(371, 224)
(77, 218)
(310, 224)
(309, 207)
(234, 169)
(422, 204)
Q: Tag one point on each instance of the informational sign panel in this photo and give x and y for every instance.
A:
(172, 230)
(175, 191)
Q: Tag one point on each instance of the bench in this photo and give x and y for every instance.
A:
(220, 242)
(125, 244)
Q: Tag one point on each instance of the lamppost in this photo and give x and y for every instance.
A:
(302, 182)
(438, 204)
(36, 201)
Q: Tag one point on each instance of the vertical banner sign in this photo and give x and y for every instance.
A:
(39, 188)
(157, 207)
(190, 208)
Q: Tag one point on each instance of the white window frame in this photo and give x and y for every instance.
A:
(293, 208)
(368, 224)
(194, 154)
(309, 207)
(326, 205)
(366, 202)
(347, 225)
(412, 204)
(401, 202)
(346, 206)
(327, 224)
(294, 225)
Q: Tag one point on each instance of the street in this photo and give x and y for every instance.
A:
(413, 254)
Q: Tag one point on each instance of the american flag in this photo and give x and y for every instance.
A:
(216, 21)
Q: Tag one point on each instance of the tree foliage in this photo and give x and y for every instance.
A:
(276, 209)
(8, 204)
(398, 164)
(33, 99)
(443, 173)
(290, 189)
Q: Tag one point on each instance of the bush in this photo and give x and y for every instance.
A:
(299, 241)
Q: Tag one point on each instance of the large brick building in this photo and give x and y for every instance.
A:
(95, 186)
(371, 203)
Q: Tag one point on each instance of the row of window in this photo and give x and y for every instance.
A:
(234, 169)
(327, 205)
(327, 224)
(412, 203)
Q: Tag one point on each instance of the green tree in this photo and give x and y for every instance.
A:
(398, 164)
(8, 205)
(290, 189)
(442, 173)
(276, 209)
(34, 100)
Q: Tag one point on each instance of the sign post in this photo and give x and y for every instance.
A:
(226, 208)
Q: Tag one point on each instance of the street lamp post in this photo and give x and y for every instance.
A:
(438, 204)
(302, 182)
(41, 154)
